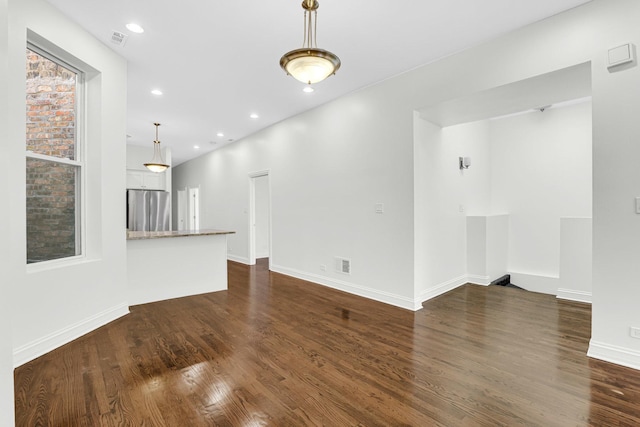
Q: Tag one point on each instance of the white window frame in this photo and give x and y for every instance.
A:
(79, 162)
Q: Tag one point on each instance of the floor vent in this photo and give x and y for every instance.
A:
(343, 265)
(505, 281)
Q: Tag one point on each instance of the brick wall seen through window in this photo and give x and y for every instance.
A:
(52, 182)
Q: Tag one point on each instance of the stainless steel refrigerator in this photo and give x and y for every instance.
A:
(148, 210)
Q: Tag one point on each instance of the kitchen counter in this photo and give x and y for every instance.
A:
(143, 235)
(161, 267)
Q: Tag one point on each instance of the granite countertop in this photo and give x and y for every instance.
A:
(144, 235)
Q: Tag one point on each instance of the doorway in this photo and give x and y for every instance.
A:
(194, 209)
(259, 216)
(189, 209)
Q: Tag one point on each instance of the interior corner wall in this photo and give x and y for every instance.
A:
(445, 195)
(6, 286)
(542, 172)
(53, 305)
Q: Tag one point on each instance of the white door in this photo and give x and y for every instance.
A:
(183, 209)
(259, 216)
(261, 222)
(194, 209)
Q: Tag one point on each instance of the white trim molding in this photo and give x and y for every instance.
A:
(442, 288)
(362, 291)
(574, 295)
(534, 282)
(240, 259)
(37, 348)
(479, 280)
(614, 354)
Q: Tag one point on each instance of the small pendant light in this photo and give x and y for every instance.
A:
(157, 163)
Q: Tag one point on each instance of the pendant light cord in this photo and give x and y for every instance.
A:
(315, 28)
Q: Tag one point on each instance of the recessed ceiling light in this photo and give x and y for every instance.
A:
(307, 89)
(254, 116)
(220, 134)
(156, 92)
(135, 28)
(196, 147)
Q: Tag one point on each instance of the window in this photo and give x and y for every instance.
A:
(53, 158)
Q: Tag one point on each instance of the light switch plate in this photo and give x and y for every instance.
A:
(638, 205)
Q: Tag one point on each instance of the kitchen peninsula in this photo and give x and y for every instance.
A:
(171, 264)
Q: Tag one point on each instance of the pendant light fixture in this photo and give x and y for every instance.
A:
(157, 163)
(310, 64)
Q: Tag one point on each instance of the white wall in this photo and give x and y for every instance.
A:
(328, 169)
(616, 226)
(445, 196)
(487, 248)
(52, 305)
(6, 286)
(541, 172)
(576, 259)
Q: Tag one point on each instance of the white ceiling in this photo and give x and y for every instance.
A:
(218, 61)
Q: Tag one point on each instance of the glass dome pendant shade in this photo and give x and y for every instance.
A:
(157, 163)
(310, 64)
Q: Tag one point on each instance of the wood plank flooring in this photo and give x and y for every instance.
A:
(277, 351)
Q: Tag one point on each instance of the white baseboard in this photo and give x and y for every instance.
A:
(241, 260)
(536, 282)
(479, 280)
(614, 354)
(573, 295)
(37, 348)
(363, 291)
(442, 288)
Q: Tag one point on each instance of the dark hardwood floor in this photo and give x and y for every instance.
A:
(277, 351)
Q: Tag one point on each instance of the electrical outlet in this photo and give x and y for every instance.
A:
(634, 332)
(323, 267)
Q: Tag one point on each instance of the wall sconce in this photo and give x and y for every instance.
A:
(464, 162)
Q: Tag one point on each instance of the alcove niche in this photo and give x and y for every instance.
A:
(523, 207)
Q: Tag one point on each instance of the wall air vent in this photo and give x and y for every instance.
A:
(118, 38)
(343, 265)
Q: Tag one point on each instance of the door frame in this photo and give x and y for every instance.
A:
(193, 211)
(252, 216)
